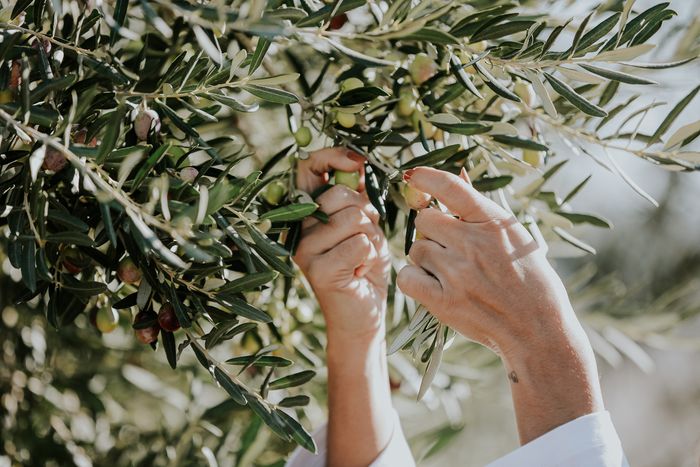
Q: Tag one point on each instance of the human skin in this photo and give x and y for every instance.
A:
(346, 261)
(478, 270)
(513, 303)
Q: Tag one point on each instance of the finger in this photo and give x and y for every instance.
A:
(340, 197)
(419, 285)
(342, 225)
(312, 172)
(438, 226)
(430, 256)
(464, 175)
(455, 193)
(338, 265)
(368, 263)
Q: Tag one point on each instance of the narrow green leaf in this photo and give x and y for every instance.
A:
(495, 85)
(616, 75)
(242, 308)
(502, 30)
(598, 32)
(433, 36)
(294, 401)
(248, 282)
(485, 184)
(570, 239)
(259, 54)
(168, 340)
(295, 379)
(432, 158)
(67, 220)
(578, 218)
(361, 95)
(112, 133)
(180, 311)
(572, 96)
(29, 264)
(277, 96)
(120, 9)
(260, 360)
(299, 434)
(464, 128)
(291, 212)
(518, 142)
(671, 117)
(235, 391)
(70, 238)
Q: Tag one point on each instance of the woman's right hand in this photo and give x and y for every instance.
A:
(478, 270)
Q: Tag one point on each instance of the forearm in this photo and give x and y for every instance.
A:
(359, 400)
(553, 380)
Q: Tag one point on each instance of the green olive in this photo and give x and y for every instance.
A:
(415, 198)
(349, 179)
(350, 84)
(346, 120)
(274, 192)
(422, 68)
(303, 136)
(407, 103)
(532, 157)
(107, 319)
(6, 96)
(418, 118)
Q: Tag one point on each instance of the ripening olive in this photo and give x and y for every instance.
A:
(346, 120)
(407, 103)
(350, 84)
(349, 179)
(274, 192)
(144, 122)
(148, 334)
(303, 136)
(422, 68)
(128, 272)
(415, 198)
(167, 319)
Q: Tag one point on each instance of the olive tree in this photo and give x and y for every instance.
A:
(148, 149)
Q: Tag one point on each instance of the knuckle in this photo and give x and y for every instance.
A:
(454, 184)
(354, 215)
(418, 250)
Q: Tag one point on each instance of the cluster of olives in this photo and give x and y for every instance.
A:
(105, 318)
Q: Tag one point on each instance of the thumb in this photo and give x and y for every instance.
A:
(313, 172)
(419, 285)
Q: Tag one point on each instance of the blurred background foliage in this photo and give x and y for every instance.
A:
(75, 396)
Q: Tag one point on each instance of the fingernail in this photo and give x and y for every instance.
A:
(408, 174)
(463, 173)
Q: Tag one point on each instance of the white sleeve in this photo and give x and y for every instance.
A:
(396, 453)
(588, 441)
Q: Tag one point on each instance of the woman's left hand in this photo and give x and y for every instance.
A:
(345, 260)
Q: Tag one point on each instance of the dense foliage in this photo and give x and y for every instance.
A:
(147, 157)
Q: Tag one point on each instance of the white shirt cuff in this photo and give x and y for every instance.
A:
(396, 453)
(588, 441)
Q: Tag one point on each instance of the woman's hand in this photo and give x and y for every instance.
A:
(347, 263)
(345, 260)
(478, 270)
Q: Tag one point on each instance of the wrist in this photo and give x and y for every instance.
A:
(553, 380)
(354, 344)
